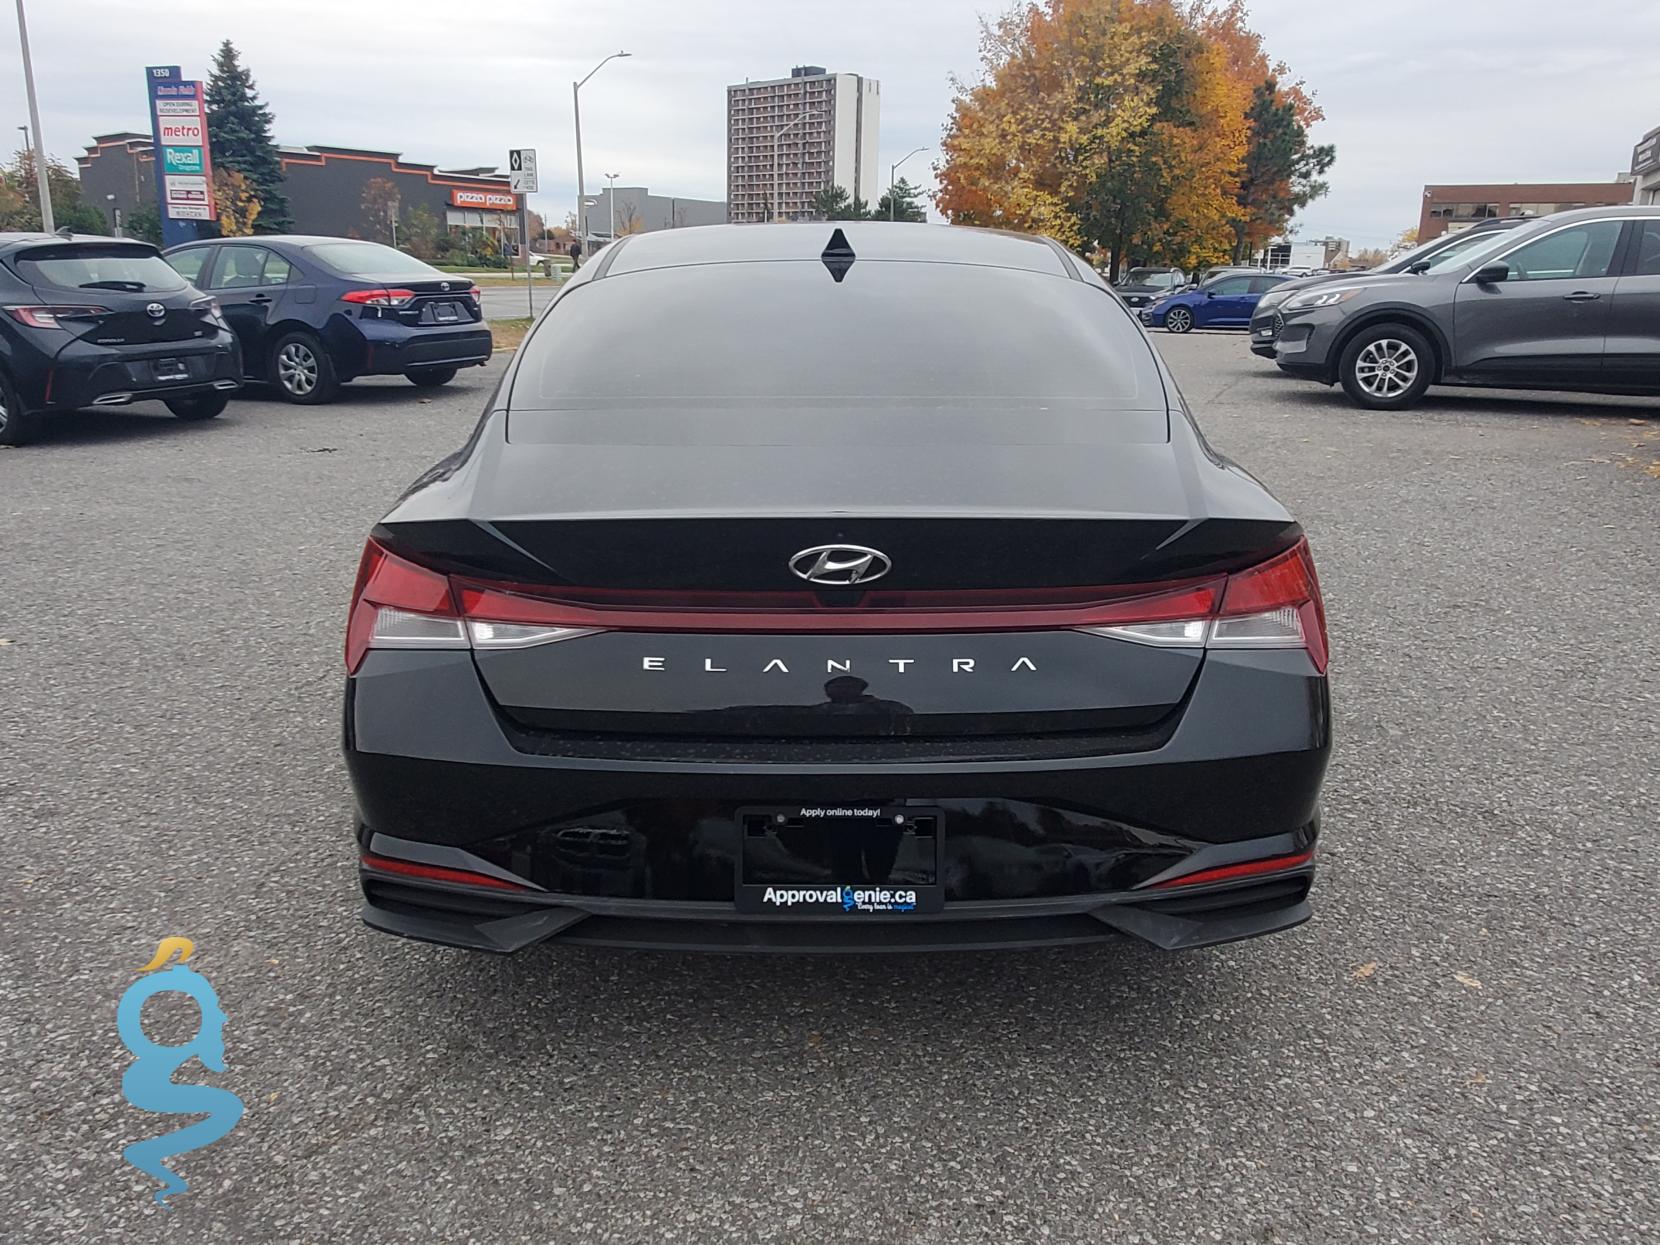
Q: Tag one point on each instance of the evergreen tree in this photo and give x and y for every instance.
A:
(900, 203)
(834, 203)
(239, 136)
(1281, 173)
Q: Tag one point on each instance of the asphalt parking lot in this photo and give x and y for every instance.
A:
(505, 302)
(1459, 1048)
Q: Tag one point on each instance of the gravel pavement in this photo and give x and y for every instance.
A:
(1459, 1048)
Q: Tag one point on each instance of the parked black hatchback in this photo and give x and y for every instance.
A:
(89, 321)
(313, 312)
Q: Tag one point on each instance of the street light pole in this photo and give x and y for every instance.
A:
(892, 169)
(576, 111)
(777, 182)
(47, 223)
(611, 201)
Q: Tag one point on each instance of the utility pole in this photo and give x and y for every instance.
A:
(892, 169)
(576, 112)
(47, 223)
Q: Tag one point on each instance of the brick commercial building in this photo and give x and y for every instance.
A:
(1451, 208)
(804, 134)
(328, 188)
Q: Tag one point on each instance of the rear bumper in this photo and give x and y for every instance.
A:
(480, 919)
(389, 348)
(82, 374)
(631, 840)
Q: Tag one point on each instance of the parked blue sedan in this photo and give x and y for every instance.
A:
(314, 312)
(1225, 302)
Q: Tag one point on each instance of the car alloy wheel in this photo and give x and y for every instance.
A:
(1179, 320)
(297, 369)
(1386, 368)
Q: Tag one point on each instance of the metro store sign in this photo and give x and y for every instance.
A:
(184, 171)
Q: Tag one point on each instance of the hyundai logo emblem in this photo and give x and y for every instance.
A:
(840, 566)
(155, 311)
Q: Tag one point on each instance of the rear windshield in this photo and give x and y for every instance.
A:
(784, 334)
(371, 259)
(135, 270)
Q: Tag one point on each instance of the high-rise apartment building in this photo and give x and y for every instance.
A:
(796, 136)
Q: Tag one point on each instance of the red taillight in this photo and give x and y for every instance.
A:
(400, 604)
(435, 873)
(378, 297)
(476, 294)
(1245, 869)
(397, 604)
(1275, 604)
(799, 612)
(48, 317)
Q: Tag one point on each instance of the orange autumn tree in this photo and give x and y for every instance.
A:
(237, 201)
(1113, 125)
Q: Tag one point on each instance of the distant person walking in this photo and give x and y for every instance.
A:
(575, 252)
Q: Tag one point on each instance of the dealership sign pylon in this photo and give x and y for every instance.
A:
(184, 170)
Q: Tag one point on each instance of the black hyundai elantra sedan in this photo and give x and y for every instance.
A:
(89, 321)
(817, 588)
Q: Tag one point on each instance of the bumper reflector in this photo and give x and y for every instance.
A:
(435, 873)
(1244, 869)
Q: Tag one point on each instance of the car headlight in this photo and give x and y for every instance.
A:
(1273, 298)
(1321, 298)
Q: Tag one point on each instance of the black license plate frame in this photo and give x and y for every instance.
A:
(848, 861)
(163, 370)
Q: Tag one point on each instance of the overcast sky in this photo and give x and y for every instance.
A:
(1415, 91)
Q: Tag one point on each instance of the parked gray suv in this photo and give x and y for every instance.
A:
(1570, 301)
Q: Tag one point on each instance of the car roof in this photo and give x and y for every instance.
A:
(1595, 213)
(9, 240)
(270, 239)
(866, 240)
(1534, 226)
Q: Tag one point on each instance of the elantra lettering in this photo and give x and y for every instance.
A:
(839, 665)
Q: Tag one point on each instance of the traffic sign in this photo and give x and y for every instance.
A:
(521, 170)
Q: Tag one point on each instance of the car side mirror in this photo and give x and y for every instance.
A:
(1421, 266)
(1210, 293)
(1492, 274)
